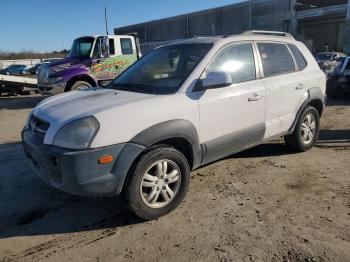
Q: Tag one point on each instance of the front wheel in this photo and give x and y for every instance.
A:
(158, 182)
(79, 85)
(306, 131)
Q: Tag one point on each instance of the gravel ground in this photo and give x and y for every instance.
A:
(264, 204)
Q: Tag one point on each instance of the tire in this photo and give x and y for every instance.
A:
(139, 198)
(79, 85)
(296, 141)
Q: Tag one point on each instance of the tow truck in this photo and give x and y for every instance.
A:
(92, 61)
(17, 84)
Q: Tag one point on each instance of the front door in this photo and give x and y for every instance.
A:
(233, 117)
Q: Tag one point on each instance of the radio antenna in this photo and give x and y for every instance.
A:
(106, 22)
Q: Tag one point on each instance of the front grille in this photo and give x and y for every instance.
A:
(38, 127)
(43, 74)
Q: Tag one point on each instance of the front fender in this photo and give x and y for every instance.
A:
(69, 73)
(178, 128)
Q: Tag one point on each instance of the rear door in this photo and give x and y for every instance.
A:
(285, 86)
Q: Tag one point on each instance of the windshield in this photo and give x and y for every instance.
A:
(324, 57)
(163, 70)
(81, 47)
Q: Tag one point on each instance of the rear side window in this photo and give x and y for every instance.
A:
(299, 58)
(276, 59)
(126, 46)
(111, 46)
(238, 60)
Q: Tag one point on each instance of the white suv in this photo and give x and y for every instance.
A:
(181, 106)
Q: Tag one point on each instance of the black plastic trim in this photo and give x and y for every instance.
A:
(233, 142)
(178, 128)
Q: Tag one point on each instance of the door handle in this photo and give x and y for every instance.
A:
(254, 98)
(300, 86)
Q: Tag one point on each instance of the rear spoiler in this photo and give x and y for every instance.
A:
(137, 43)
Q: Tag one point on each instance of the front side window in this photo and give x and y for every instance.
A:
(276, 59)
(163, 70)
(81, 47)
(126, 46)
(348, 65)
(299, 58)
(238, 60)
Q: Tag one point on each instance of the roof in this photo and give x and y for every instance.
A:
(247, 36)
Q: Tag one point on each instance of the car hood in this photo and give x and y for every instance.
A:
(73, 105)
(70, 60)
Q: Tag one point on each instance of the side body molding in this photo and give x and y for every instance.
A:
(178, 128)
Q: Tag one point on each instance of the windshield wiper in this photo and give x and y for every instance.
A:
(128, 87)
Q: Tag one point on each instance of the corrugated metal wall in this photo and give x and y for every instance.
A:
(232, 19)
(276, 15)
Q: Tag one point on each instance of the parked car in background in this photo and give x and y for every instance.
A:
(328, 61)
(180, 107)
(338, 84)
(34, 70)
(14, 70)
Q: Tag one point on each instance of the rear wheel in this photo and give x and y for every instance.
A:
(306, 131)
(79, 85)
(158, 182)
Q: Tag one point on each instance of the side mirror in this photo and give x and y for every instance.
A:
(216, 80)
(105, 47)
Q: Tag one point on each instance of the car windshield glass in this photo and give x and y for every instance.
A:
(163, 70)
(81, 47)
(324, 56)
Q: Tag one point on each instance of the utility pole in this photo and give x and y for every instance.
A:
(293, 17)
(106, 22)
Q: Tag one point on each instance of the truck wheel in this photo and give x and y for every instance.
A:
(306, 131)
(158, 182)
(79, 85)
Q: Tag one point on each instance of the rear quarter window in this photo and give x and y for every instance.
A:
(126, 46)
(299, 58)
(276, 59)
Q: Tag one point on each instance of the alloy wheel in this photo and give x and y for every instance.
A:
(160, 184)
(308, 129)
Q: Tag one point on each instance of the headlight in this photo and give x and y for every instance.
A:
(61, 67)
(54, 79)
(77, 134)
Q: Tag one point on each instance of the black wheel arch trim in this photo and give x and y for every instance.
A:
(172, 129)
(315, 96)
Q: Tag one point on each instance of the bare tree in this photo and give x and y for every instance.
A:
(28, 54)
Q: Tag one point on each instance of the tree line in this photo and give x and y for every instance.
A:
(5, 55)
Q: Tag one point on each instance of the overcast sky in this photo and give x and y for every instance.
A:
(47, 25)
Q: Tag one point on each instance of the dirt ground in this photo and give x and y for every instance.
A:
(265, 204)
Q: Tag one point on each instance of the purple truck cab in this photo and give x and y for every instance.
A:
(92, 61)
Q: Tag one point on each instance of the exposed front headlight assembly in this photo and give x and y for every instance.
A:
(77, 134)
(54, 79)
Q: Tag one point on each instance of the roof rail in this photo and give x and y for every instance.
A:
(274, 33)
